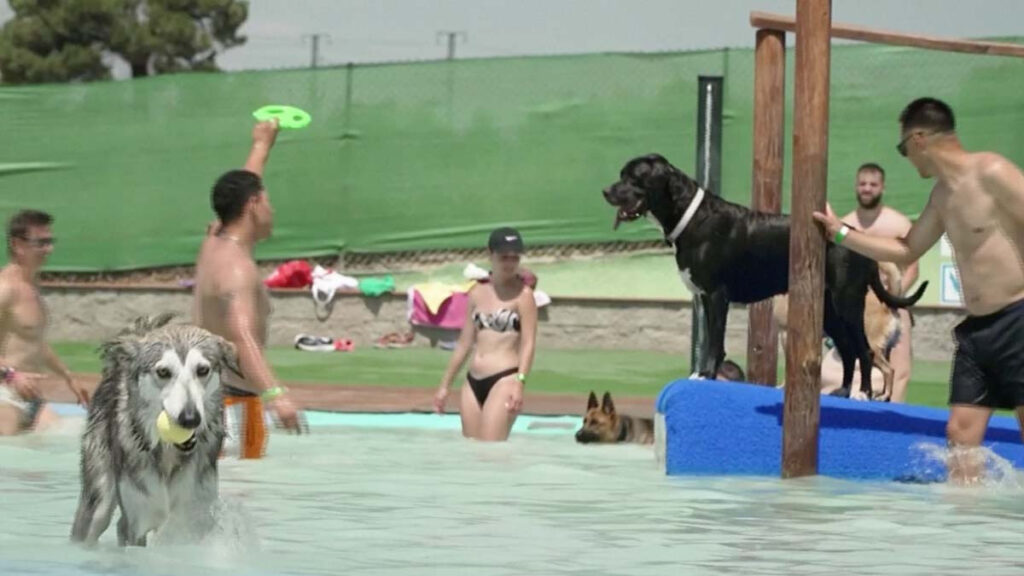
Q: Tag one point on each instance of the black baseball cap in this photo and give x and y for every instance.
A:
(506, 239)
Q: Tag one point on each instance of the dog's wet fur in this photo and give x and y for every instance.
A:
(159, 487)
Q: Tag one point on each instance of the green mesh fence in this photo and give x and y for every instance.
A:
(433, 155)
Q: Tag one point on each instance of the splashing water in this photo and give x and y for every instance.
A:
(930, 462)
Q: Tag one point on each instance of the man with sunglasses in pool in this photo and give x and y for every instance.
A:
(978, 202)
(23, 350)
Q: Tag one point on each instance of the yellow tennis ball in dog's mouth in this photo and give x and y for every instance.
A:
(171, 432)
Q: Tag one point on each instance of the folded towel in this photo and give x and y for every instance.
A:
(326, 282)
(541, 298)
(474, 272)
(377, 286)
(435, 293)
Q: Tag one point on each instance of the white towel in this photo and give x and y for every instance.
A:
(326, 282)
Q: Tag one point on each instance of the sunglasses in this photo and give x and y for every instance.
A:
(39, 242)
(902, 146)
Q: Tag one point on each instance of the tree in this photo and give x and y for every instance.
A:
(162, 36)
(54, 41)
(73, 40)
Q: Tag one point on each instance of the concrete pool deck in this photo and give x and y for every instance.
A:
(337, 398)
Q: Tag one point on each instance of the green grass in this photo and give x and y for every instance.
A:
(637, 275)
(621, 372)
(640, 275)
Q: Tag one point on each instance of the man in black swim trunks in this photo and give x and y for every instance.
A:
(978, 202)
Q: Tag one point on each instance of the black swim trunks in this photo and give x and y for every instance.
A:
(988, 367)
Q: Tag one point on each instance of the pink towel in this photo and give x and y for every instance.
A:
(451, 314)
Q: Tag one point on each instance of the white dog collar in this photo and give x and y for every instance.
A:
(687, 216)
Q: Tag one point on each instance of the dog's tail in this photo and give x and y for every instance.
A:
(891, 300)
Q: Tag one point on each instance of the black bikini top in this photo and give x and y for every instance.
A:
(501, 320)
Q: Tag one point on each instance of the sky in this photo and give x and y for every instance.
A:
(386, 30)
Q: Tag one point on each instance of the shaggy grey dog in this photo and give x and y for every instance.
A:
(149, 368)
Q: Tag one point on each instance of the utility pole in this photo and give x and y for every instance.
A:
(452, 35)
(314, 57)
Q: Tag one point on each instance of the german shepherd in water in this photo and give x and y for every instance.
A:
(603, 424)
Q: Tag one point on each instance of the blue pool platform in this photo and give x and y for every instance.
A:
(730, 428)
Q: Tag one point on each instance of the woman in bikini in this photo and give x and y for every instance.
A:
(501, 329)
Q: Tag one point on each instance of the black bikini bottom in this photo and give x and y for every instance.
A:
(482, 386)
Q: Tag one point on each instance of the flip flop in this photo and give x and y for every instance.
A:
(314, 343)
(402, 340)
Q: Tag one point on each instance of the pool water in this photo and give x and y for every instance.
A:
(380, 494)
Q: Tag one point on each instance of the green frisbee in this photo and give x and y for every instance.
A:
(287, 116)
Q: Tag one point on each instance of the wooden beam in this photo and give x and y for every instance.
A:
(762, 20)
(766, 195)
(807, 245)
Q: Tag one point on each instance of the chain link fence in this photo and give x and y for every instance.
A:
(412, 164)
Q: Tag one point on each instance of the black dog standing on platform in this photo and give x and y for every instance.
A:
(728, 253)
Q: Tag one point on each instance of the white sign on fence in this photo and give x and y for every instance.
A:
(949, 292)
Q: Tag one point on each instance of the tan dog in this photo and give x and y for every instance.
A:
(603, 424)
(881, 324)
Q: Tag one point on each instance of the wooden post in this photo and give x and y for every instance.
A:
(769, 142)
(807, 245)
(848, 32)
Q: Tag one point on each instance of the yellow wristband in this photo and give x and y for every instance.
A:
(271, 393)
